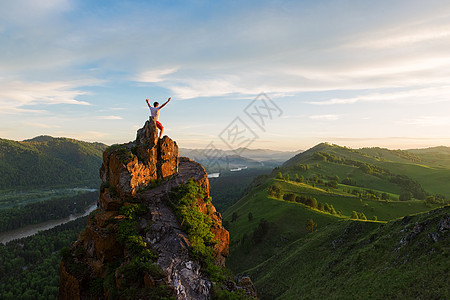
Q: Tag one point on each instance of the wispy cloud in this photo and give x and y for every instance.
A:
(157, 75)
(422, 95)
(109, 118)
(14, 95)
(40, 125)
(325, 117)
(427, 121)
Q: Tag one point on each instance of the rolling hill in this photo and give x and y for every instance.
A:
(329, 221)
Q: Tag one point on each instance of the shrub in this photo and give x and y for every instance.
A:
(260, 231)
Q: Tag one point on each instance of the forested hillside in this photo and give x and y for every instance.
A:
(45, 161)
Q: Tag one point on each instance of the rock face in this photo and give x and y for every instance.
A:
(142, 172)
(131, 167)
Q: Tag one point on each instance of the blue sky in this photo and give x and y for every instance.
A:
(354, 73)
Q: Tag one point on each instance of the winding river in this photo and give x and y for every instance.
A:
(26, 231)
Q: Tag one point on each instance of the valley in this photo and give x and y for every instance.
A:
(327, 219)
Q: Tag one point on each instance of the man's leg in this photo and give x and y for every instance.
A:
(160, 127)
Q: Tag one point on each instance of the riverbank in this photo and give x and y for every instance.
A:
(29, 230)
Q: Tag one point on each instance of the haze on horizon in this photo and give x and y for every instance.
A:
(353, 73)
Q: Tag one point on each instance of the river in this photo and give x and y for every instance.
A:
(19, 233)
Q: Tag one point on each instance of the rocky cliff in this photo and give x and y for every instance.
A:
(155, 233)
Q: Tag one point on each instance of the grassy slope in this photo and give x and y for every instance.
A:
(287, 223)
(353, 259)
(429, 167)
(385, 211)
(289, 263)
(287, 220)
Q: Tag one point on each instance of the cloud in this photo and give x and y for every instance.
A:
(325, 117)
(40, 125)
(155, 75)
(14, 95)
(412, 96)
(427, 121)
(109, 118)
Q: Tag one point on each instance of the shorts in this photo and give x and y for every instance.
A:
(159, 125)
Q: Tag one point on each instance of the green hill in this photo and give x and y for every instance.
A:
(403, 259)
(46, 161)
(392, 171)
(350, 199)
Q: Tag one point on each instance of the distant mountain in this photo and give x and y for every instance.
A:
(47, 161)
(228, 159)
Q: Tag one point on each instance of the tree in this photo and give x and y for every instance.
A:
(354, 215)
(310, 225)
(250, 216)
(296, 177)
(405, 196)
(286, 177)
(320, 207)
(375, 218)
(289, 197)
(279, 175)
(260, 231)
(311, 202)
(333, 184)
(332, 210)
(362, 216)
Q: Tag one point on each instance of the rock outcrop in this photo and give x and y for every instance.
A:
(135, 165)
(102, 261)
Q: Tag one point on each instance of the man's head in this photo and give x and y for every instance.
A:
(155, 104)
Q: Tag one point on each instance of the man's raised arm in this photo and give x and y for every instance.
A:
(165, 103)
(147, 102)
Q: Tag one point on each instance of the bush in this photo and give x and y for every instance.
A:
(260, 231)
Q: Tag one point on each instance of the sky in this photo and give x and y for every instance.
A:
(282, 75)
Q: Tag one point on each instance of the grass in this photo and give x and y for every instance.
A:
(345, 258)
(360, 260)
(287, 247)
(286, 223)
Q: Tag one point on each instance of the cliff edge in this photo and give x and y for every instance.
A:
(155, 233)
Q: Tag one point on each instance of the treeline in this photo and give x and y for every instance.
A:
(38, 212)
(29, 267)
(275, 191)
(409, 185)
(405, 182)
(47, 161)
(365, 167)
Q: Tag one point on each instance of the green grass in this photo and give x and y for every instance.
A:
(287, 234)
(287, 223)
(356, 260)
(432, 179)
(344, 258)
(384, 210)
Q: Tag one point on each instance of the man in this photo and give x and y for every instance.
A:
(155, 114)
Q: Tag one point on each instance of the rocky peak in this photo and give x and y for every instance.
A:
(135, 245)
